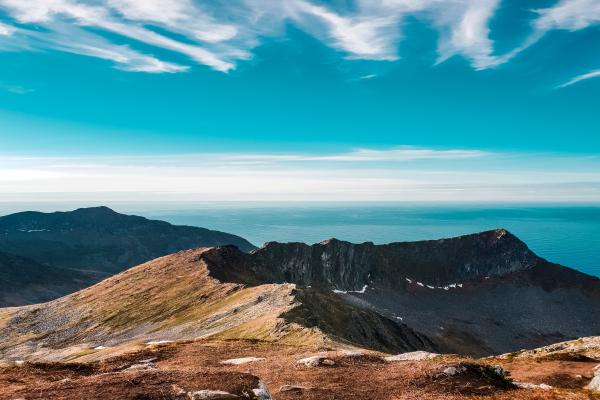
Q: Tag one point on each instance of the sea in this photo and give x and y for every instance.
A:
(564, 234)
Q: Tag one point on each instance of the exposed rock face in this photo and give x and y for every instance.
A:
(347, 266)
(98, 241)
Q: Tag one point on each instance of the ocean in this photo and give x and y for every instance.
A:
(568, 235)
(565, 234)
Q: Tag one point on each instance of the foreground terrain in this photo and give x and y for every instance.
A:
(259, 370)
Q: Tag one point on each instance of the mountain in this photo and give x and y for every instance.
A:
(478, 294)
(176, 298)
(67, 251)
(25, 281)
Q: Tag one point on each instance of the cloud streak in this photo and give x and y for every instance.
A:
(579, 78)
(220, 35)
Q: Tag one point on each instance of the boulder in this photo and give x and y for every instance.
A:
(594, 385)
(315, 361)
(412, 356)
(244, 360)
(211, 395)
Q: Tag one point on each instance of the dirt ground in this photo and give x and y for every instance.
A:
(170, 371)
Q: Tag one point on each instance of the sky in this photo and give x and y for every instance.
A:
(390, 100)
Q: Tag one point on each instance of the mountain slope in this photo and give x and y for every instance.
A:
(24, 281)
(492, 295)
(175, 298)
(97, 240)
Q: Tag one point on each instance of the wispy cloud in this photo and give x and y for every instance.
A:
(220, 35)
(16, 89)
(394, 174)
(579, 78)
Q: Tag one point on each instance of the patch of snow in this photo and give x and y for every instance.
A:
(430, 287)
(99, 348)
(243, 360)
(33, 230)
(361, 291)
(459, 285)
(408, 280)
(420, 284)
(399, 318)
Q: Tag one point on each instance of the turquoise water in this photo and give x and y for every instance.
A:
(569, 235)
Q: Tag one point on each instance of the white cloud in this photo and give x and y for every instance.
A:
(221, 34)
(402, 153)
(395, 174)
(6, 30)
(570, 15)
(466, 32)
(582, 77)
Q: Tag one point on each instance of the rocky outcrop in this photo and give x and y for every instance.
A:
(345, 266)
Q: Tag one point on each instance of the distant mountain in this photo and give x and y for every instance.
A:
(67, 251)
(478, 294)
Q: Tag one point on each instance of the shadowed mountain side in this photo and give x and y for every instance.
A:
(94, 239)
(174, 298)
(24, 281)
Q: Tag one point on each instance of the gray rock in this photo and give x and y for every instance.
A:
(211, 395)
(315, 361)
(262, 392)
(412, 356)
(526, 385)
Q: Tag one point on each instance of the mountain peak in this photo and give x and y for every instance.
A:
(98, 210)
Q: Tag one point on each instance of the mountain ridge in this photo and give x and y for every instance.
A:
(91, 243)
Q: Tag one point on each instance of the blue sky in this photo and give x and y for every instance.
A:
(299, 99)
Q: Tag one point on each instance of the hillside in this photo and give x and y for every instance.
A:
(175, 298)
(492, 295)
(25, 281)
(87, 245)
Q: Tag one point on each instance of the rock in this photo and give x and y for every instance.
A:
(526, 385)
(140, 367)
(244, 360)
(211, 395)
(315, 361)
(594, 385)
(262, 392)
(498, 370)
(292, 388)
(453, 370)
(412, 356)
